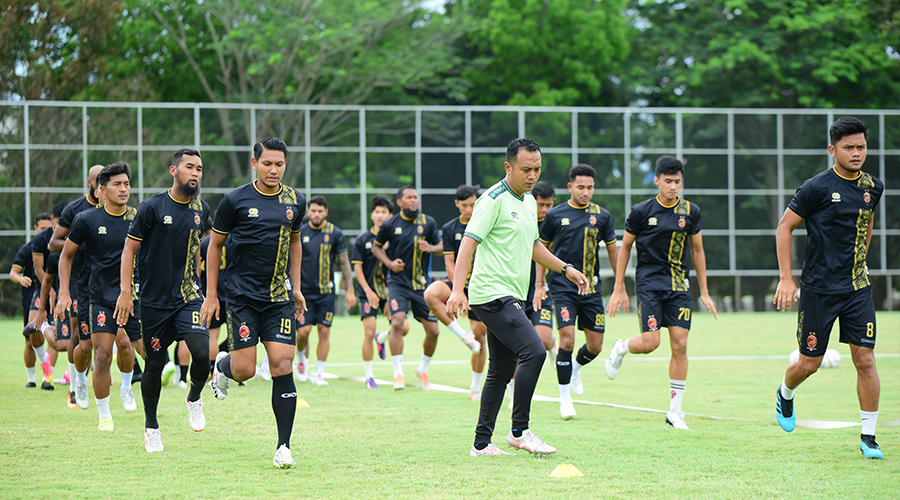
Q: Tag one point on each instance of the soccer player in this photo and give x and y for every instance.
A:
(838, 206)
(262, 223)
(214, 323)
(503, 229)
(661, 227)
(102, 234)
(323, 243)
(411, 237)
(437, 293)
(22, 272)
(574, 231)
(165, 236)
(371, 289)
(40, 253)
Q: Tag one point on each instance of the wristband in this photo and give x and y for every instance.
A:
(564, 267)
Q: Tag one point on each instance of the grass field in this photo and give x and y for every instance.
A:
(357, 443)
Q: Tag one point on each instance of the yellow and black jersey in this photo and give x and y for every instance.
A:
(575, 234)
(80, 281)
(169, 232)
(662, 240)
(223, 264)
(102, 235)
(373, 269)
(836, 211)
(39, 245)
(452, 234)
(24, 262)
(322, 247)
(259, 228)
(403, 235)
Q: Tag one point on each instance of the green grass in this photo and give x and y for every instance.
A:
(357, 443)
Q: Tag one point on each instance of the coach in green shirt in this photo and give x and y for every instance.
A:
(504, 229)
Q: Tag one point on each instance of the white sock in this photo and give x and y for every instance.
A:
(623, 347)
(458, 330)
(512, 388)
(564, 394)
(264, 364)
(785, 392)
(301, 357)
(80, 378)
(575, 366)
(72, 377)
(320, 367)
(367, 365)
(103, 406)
(126, 381)
(397, 361)
(476, 381)
(382, 337)
(41, 353)
(676, 393)
(869, 419)
(29, 372)
(423, 364)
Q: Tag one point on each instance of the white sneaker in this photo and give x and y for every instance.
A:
(676, 420)
(195, 415)
(567, 410)
(81, 396)
(300, 372)
(577, 386)
(382, 337)
(471, 343)
(219, 383)
(320, 381)
(152, 440)
(530, 443)
(283, 458)
(168, 373)
(128, 402)
(183, 385)
(489, 451)
(614, 360)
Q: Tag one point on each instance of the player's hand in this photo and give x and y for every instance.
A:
(580, 280)
(457, 304)
(349, 299)
(63, 303)
(424, 246)
(538, 297)
(124, 308)
(618, 300)
(710, 305)
(26, 282)
(397, 265)
(209, 309)
(299, 304)
(372, 298)
(785, 294)
(40, 318)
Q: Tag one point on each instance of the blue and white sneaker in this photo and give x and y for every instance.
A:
(869, 447)
(784, 411)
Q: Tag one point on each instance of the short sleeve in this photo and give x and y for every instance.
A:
(484, 216)
(21, 257)
(635, 220)
(804, 201)
(52, 267)
(298, 218)
(143, 223)
(67, 217)
(226, 216)
(548, 230)
(434, 234)
(447, 238)
(696, 226)
(384, 234)
(609, 229)
(358, 247)
(78, 231)
(341, 244)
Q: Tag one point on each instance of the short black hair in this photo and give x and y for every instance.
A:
(512, 151)
(668, 165)
(318, 200)
(58, 209)
(176, 158)
(380, 201)
(271, 143)
(119, 167)
(42, 216)
(465, 192)
(845, 126)
(582, 169)
(543, 189)
(404, 188)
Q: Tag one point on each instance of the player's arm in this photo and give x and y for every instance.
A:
(16, 276)
(371, 296)
(395, 265)
(58, 239)
(612, 251)
(210, 305)
(46, 287)
(38, 258)
(125, 304)
(347, 281)
(450, 265)
(542, 255)
(698, 257)
(786, 292)
(539, 292)
(64, 301)
(425, 246)
(457, 303)
(619, 298)
(296, 251)
(869, 229)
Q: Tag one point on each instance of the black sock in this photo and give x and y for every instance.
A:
(137, 367)
(151, 384)
(183, 371)
(223, 346)
(212, 366)
(284, 405)
(584, 356)
(563, 366)
(481, 446)
(198, 345)
(225, 366)
(517, 433)
(150, 405)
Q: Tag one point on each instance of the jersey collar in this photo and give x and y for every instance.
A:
(373, 231)
(169, 192)
(505, 185)
(858, 174)
(569, 201)
(88, 198)
(668, 206)
(276, 193)
(115, 215)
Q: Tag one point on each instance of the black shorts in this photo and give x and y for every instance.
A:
(403, 299)
(216, 323)
(818, 312)
(367, 310)
(472, 315)
(659, 308)
(100, 315)
(251, 321)
(64, 328)
(36, 302)
(84, 319)
(587, 308)
(161, 327)
(319, 310)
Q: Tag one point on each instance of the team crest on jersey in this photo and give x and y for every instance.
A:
(652, 324)
(681, 223)
(101, 319)
(289, 214)
(65, 330)
(394, 305)
(101, 230)
(457, 236)
(368, 245)
(244, 332)
(167, 219)
(564, 313)
(306, 239)
(652, 221)
(326, 238)
(811, 341)
(155, 344)
(593, 220)
(84, 328)
(420, 229)
(398, 230)
(835, 196)
(196, 219)
(564, 222)
(253, 212)
(867, 197)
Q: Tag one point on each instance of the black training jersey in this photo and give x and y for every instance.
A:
(321, 249)
(259, 228)
(530, 296)
(169, 232)
(575, 235)
(223, 263)
(39, 245)
(52, 269)
(373, 269)
(403, 235)
(452, 234)
(24, 262)
(661, 237)
(102, 235)
(836, 211)
(80, 274)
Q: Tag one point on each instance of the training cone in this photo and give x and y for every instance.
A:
(301, 403)
(566, 470)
